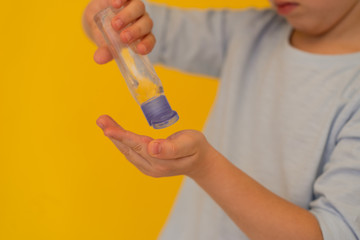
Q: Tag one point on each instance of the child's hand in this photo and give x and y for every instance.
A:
(183, 153)
(134, 13)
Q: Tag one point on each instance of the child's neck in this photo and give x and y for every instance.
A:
(341, 44)
(344, 38)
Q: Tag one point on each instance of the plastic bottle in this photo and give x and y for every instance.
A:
(139, 74)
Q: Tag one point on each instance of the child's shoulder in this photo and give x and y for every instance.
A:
(254, 23)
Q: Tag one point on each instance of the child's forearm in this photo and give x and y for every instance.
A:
(259, 213)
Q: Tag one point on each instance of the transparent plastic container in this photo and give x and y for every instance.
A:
(139, 74)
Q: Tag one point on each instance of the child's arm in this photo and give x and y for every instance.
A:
(191, 40)
(257, 211)
(198, 40)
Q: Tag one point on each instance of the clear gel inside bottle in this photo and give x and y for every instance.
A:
(139, 74)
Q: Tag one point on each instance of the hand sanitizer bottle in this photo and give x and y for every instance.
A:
(139, 74)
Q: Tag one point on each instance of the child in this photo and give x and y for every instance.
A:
(280, 154)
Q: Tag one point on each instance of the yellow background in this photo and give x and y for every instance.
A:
(60, 178)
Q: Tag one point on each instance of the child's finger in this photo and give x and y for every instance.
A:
(182, 144)
(129, 144)
(135, 142)
(102, 55)
(139, 29)
(134, 10)
(137, 160)
(117, 3)
(105, 121)
(146, 44)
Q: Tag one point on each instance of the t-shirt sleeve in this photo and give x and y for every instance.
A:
(337, 190)
(195, 40)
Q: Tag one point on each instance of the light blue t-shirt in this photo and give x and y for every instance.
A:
(289, 119)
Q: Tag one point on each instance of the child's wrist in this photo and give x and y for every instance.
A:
(207, 166)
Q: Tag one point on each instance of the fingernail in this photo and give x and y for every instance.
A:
(141, 48)
(118, 23)
(155, 148)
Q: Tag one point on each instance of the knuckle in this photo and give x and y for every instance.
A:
(173, 149)
(140, 6)
(148, 22)
(136, 30)
(194, 134)
(142, 28)
(151, 23)
(125, 16)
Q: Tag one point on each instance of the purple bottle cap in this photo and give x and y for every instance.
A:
(158, 112)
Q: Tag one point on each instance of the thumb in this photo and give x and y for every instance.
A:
(181, 144)
(103, 55)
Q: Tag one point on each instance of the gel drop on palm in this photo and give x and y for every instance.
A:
(139, 74)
